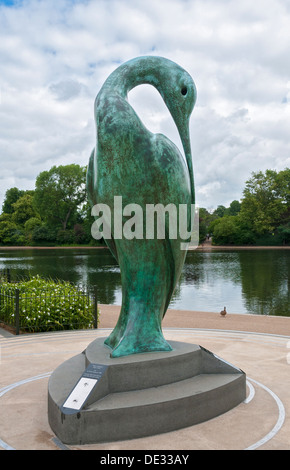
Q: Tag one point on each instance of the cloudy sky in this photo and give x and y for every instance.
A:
(55, 55)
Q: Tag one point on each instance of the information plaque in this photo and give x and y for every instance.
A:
(84, 386)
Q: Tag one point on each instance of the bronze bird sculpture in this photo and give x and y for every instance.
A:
(142, 168)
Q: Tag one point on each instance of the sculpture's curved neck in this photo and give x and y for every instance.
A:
(142, 70)
(156, 71)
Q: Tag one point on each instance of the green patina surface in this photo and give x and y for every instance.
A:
(144, 168)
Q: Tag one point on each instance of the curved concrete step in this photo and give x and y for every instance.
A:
(139, 395)
(169, 393)
(140, 413)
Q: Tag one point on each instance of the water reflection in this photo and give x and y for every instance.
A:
(265, 281)
(254, 281)
(210, 281)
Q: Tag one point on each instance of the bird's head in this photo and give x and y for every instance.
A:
(178, 91)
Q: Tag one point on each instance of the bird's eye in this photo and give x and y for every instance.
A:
(183, 90)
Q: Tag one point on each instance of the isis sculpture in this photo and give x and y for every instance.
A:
(143, 168)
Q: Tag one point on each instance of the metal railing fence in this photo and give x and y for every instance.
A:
(47, 309)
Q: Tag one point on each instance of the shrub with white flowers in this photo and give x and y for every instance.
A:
(46, 305)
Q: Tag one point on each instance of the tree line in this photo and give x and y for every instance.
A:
(262, 217)
(56, 212)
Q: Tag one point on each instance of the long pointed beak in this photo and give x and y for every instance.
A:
(185, 139)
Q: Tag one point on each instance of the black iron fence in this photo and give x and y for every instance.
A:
(5, 274)
(35, 305)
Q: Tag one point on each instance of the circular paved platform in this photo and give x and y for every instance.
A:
(261, 422)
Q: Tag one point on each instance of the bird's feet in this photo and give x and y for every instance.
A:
(113, 339)
(128, 346)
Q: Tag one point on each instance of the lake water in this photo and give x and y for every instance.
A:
(245, 281)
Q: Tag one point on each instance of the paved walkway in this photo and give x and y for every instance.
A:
(208, 320)
(258, 345)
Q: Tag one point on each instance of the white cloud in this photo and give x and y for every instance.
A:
(54, 57)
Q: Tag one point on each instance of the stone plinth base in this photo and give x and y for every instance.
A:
(93, 398)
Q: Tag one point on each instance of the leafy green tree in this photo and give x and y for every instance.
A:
(220, 211)
(80, 235)
(235, 207)
(23, 209)
(283, 185)
(31, 224)
(284, 232)
(264, 200)
(58, 194)
(44, 235)
(231, 230)
(10, 233)
(225, 230)
(65, 237)
(29, 227)
(263, 216)
(11, 197)
(205, 219)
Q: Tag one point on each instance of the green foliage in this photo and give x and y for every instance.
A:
(231, 230)
(58, 193)
(46, 305)
(262, 217)
(220, 211)
(80, 234)
(31, 224)
(263, 204)
(65, 237)
(10, 233)
(284, 233)
(11, 197)
(55, 213)
(225, 230)
(23, 209)
(205, 219)
(235, 207)
(17, 209)
(44, 234)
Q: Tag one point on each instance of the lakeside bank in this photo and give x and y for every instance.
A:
(192, 320)
(189, 319)
(200, 247)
